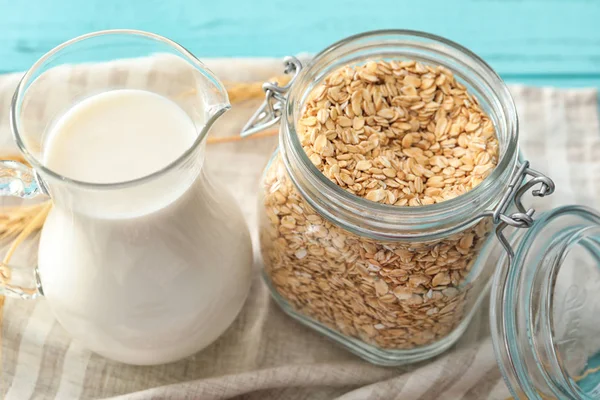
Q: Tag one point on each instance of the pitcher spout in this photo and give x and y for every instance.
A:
(215, 96)
(214, 112)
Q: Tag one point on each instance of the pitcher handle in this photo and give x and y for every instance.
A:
(18, 180)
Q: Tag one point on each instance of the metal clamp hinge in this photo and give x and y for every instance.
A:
(522, 217)
(269, 112)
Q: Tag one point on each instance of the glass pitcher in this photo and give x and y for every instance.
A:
(146, 271)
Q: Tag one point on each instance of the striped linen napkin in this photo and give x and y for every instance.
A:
(265, 354)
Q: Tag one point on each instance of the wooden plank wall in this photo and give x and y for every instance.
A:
(542, 42)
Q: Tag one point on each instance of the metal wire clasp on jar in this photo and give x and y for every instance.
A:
(393, 284)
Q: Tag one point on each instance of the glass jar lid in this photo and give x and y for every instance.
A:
(545, 307)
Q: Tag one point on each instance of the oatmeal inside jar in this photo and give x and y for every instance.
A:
(394, 132)
(399, 133)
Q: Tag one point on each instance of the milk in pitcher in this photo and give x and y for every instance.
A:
(138, 273)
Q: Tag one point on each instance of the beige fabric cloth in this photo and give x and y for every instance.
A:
(265, 354)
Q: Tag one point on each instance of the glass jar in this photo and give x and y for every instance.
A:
(394, 284)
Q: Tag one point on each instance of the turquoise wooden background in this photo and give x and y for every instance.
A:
(542, 42)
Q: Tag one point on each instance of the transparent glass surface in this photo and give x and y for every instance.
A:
(545, 308)
(392, 284)
(390, 302)
(383, 221)
(144, 271)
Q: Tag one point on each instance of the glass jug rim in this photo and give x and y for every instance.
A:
(518, 285)
(189, 57)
